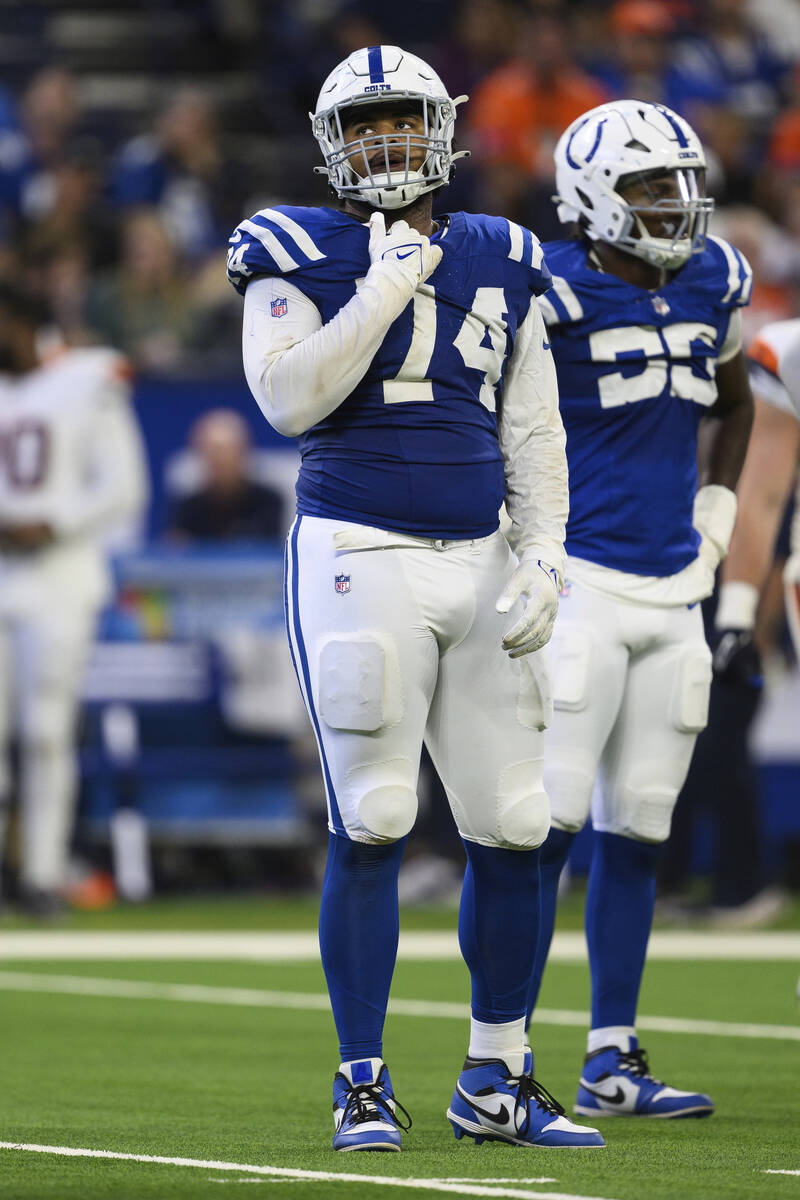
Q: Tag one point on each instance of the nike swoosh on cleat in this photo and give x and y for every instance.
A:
(617, 1098)
(501, 1117)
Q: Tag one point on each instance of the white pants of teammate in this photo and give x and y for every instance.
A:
(630, 689)
(395, 640)
(42, 656)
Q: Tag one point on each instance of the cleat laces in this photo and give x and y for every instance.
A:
(635, 1061)
(370, 1103)
(529, 1092)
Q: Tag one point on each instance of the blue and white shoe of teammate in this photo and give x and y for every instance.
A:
(491, 1103)
(365, 1111)
(618, 1083)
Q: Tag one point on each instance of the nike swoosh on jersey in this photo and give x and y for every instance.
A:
(500, 1118)
(617, 1098)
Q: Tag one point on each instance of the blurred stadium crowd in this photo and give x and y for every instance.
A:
(134, 136)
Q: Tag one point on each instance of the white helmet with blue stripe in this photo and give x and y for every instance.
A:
(380, 74)
(626, 142)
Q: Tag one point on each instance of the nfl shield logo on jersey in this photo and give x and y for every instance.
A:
(659, 304)
(280, 307)
(342, 584)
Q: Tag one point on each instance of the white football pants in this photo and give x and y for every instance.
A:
(396, 639)
(42, 657)
(630, 689)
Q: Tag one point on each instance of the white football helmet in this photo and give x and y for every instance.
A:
(382, 74)
(615, 144)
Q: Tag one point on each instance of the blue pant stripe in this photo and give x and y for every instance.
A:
(304, 674)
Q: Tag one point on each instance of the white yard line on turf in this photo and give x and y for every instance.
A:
(192, 993)
(667, 945)
(426, 1185)
(776, 1172)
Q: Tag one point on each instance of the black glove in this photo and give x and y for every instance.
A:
(736, 658)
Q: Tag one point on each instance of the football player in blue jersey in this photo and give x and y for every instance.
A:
(644, 320)
(407, 356)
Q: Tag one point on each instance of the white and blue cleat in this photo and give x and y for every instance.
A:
(491, 1103)
(365, 1111)
(616, 1083)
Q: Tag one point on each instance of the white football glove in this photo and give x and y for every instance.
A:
(538, 583)
(404, 252)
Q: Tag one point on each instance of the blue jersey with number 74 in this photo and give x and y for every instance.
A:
(636, 373)
(414, 448)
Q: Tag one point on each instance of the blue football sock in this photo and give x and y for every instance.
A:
(358, 931)
(555, 852)
(498, 924)
(619, 913)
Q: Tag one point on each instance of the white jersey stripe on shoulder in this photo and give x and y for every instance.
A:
(295, 232)
(283, 258)
(747, 278)
(734, 276)
(537, 254)
(515, 233)
(548, 312)
(567, 297)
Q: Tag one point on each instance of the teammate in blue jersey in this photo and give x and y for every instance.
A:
(410, 363)
(643, 316)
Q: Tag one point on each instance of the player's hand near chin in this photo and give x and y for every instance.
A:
(537, 583)
(403, 253)
(27, 537)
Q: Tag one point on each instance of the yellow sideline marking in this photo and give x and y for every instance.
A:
(192, 993)
(427, 1185)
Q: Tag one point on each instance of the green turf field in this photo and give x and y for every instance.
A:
(248, 1083)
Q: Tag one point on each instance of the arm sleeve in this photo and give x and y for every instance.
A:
(117, 481)
(533, 442)
(733, 338)
(299, 369)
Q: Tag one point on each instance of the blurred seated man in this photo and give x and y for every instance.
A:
(181, 169)
(72, 474)
(229, 504)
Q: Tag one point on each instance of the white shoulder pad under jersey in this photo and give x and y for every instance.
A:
(774, 365)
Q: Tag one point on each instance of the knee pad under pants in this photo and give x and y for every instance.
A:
(648, 756)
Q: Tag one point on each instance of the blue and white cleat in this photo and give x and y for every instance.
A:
(619, 1084)
(491, 1103)
(365, 1109)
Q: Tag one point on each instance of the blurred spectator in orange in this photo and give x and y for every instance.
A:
(518, 112)
(182, 170)
(783, 150)
(145, 306)
(229, 503)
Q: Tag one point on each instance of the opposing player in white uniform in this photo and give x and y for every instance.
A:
(71, 470)
(410, 363)
(643, 318)
(769, 472)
